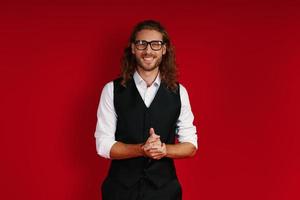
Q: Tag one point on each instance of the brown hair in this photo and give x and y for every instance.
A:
(167, 68)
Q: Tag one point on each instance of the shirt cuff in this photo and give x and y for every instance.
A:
(190, 137)
(104, 147)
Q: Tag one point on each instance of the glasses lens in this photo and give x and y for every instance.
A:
(156, 45)
(141, 45)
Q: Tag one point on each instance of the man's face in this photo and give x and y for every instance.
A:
(148, 59)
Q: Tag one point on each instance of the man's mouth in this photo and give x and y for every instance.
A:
(148, 59)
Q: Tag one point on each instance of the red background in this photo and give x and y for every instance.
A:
(239, 61)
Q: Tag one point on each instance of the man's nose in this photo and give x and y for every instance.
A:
(148, 49)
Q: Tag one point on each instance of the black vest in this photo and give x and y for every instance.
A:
(134, 120)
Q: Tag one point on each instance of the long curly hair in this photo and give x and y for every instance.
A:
(167, 67)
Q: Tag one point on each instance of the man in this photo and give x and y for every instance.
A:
(139, 116)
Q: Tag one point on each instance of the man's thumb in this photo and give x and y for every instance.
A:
(151, 131)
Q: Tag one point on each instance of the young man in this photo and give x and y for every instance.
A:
(139, 116)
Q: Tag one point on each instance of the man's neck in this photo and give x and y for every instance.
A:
(148, 76)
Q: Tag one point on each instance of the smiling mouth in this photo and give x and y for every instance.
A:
(148, 59)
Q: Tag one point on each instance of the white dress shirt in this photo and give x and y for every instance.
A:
(107, 117)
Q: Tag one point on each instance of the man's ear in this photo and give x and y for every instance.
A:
(164, 49)
(132, 48)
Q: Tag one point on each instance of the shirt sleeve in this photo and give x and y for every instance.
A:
(186, 131)
(106, 122)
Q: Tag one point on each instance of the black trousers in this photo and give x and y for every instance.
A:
(143, 190)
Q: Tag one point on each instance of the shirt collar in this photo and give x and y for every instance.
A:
(139, 80)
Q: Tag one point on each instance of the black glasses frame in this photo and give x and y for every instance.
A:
(151, 43)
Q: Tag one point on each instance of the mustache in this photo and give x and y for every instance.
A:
(148, 55)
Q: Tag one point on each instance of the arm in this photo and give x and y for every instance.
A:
(106, 144)
(187, 136)
(121, 150)
(106, 122)
(180, 150)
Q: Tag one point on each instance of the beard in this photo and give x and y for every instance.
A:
(147, 66)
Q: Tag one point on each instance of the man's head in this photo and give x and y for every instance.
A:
(149, 47)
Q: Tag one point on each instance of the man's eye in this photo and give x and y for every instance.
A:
(155, 43)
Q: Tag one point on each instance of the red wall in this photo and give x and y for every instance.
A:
(239, 61)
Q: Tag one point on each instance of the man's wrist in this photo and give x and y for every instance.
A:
(166, 150)
(141, 149)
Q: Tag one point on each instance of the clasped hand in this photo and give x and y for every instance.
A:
(153, 147)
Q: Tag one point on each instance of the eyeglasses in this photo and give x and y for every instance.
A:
(155, 45)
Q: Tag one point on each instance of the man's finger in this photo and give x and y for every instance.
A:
(152, 140)
(157, 145)
(155, 141)
(155, 155)
(155, 150)
(154, 145)
(146, 147)
(152, 133)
